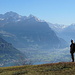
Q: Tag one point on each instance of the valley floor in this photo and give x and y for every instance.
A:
(61, 68)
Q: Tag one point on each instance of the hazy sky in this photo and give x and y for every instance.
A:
(54, 11)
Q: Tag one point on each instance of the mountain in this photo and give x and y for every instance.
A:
(8, 54)
(68, 32)
(56, 27)
(63, 31)
(29, 31)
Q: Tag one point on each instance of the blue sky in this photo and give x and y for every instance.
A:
(53, 11)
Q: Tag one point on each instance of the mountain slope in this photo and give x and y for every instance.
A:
(8, 54)
(63, 31)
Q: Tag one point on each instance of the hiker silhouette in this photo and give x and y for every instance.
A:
(72, 50)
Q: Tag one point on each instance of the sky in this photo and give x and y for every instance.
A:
(53, 11)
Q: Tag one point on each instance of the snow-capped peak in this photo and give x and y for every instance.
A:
(34, 18)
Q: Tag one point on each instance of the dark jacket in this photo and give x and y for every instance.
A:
(72, 48)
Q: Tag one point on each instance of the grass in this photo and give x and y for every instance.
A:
(62, 68)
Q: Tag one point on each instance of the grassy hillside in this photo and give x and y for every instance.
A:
(62, 68)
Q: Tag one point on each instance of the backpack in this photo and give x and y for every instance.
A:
(73, 46)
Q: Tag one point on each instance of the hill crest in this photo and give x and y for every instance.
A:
(66, 68)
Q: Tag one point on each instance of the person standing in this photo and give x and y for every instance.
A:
(72, 50)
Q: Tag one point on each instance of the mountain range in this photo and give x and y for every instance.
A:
(64, 31)
(23, 31)
(68, 32)
(37, 38)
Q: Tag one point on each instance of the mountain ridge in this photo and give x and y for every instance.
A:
(35, 31)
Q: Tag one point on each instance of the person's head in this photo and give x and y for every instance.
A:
(72, 41)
